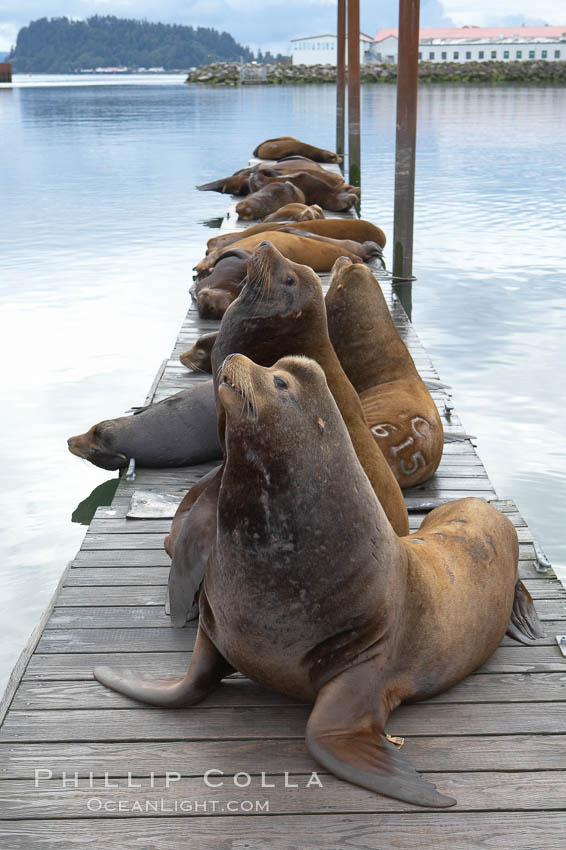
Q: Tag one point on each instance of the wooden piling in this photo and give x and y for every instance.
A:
(354, 157)
(405, 144)
(340, 76)
(5, 72)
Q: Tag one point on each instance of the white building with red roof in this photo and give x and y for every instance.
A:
(477, 44)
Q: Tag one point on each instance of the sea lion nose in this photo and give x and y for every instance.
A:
(70, 441)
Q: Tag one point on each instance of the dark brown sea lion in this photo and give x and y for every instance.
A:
(271, 197)
(315, 189)
(236, 184)
(296, 212)
(338, 228)
(285, 146)
(319, 255)
(398, 407)
(197, 358)
(178, 431)
(317, 598)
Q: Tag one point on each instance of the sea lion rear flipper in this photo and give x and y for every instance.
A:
(345, 734)
(205, 671)
(524, 624)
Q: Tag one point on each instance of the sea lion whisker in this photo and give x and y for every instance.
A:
(190, 364)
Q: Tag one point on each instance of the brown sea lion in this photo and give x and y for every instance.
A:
(320, 256)
(263, 174)
(338, 228)
(317, 598)
(284, 146)
(271, 197)
(238, 183)
(178, 431)
(398, 407)
(197, 358)
(315, 189)
(296, 212)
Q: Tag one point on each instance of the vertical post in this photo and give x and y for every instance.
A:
(405, 143)
(340, 76)
(354, 92)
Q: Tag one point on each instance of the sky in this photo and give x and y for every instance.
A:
(270, 24)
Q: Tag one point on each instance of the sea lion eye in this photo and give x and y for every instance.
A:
(290, 280)
(279, 382)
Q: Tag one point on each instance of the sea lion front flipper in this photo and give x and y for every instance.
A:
(524, 624)
(345, 734)
(191, 551)
(205, 671)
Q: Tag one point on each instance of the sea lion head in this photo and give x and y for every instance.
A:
(197, 358)
(350, 281)
(265, 406)
(311, 213)
(97, 445)
(213, 303)
(279, 310)
(277, 289)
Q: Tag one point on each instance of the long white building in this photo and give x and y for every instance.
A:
(321, 49)
(477, 44)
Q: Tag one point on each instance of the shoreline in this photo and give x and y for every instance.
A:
(535, 71)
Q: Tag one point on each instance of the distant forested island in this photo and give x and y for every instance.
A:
(62, 46)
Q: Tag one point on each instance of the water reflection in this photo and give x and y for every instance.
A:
(101, 495)
(102, 226)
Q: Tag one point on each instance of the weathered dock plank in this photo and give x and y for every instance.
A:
(417, 831)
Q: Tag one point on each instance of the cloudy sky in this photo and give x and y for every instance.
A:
(270, 24)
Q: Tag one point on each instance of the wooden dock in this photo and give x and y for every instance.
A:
(496, 742)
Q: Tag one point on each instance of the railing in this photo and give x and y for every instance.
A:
(253, 74)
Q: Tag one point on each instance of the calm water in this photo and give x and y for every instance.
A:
(101, 225)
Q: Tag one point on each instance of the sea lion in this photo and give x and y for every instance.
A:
(197, 358)
(178, 431)
(397, 405)
(296, 212)
(238, 183)
(338, 228)
(315, 189)
(318, 599)
(319, 255)
(284, 146)
(264, 173)
(269, 198)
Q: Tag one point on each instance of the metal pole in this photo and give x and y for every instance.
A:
(340, 76)
(354, 92)
(405, 143)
